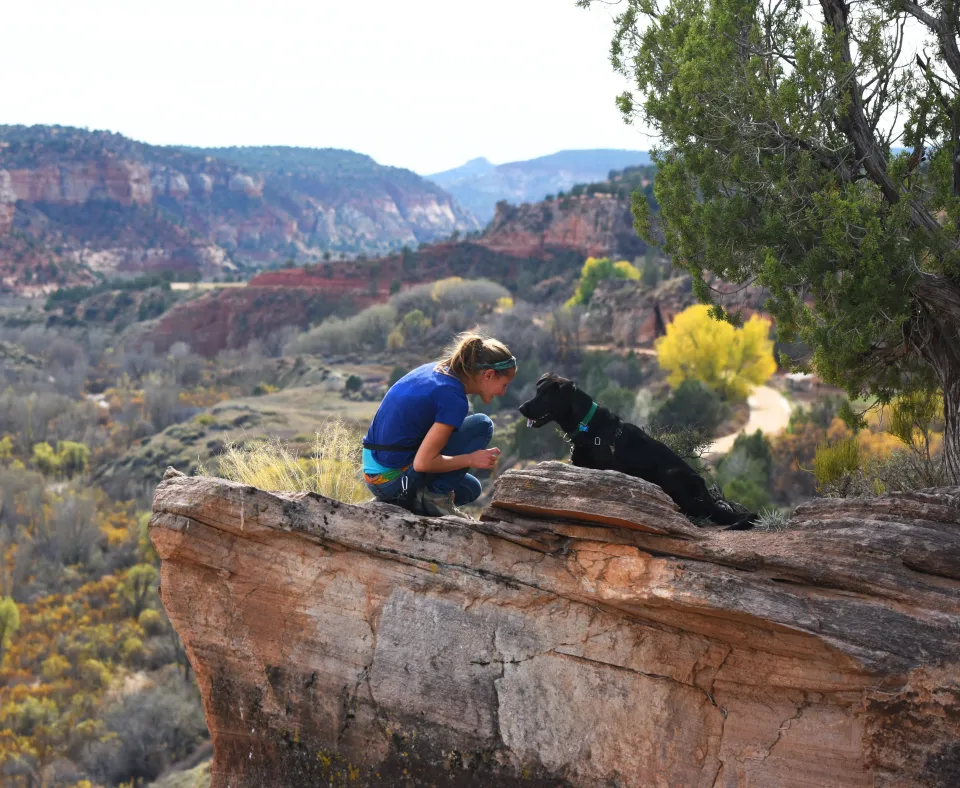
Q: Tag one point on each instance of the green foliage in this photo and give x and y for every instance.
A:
(9, 623)
(45, 459)
(821, 413)
(74, 295)
(137, 587)
(744, 473)
(595, 270)
(692, 405)
(395, 374)
(777, 167)
(913, 415)
(353, 383)
(833, 463)
(541, 444)
(748, 492)
(69, 458)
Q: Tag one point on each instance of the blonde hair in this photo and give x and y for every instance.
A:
(472, 352)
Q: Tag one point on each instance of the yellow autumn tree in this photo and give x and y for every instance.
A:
(727, 359)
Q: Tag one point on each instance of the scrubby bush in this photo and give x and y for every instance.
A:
(367, 330)
(595, 270)
(395, 374)
(835, 464)
(541, 444)
(744, 473)
(161, 404)
(145, 732)
(692, 405)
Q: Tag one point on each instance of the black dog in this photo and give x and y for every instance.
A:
(601, 440)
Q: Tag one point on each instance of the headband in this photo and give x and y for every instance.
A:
(499, 366)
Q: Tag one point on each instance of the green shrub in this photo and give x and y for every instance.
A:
(744, 473)
(354, 383)
(395, 374)
(152, 622)
(833, 463)
(546, 443)
(748, 492)
(692, 405)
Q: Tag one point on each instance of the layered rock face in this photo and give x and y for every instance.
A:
(124, 182)
(94, 193)
(584, 633)
(593, 225)
(628, 313)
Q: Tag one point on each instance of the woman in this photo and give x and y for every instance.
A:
(421, 441)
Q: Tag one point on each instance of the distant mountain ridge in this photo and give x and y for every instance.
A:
(479, 185)
(74, 202)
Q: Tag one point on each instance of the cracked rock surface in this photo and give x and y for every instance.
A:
(583, 633)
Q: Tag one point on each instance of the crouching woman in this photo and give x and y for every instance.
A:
(421, 440)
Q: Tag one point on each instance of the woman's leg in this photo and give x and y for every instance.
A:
(468, 491)
(401, 490)
(475, 433)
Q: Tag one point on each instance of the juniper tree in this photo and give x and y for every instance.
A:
(814, 149)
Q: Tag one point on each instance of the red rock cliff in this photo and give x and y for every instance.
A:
(583, 634)
(125, 182)
(594, 225)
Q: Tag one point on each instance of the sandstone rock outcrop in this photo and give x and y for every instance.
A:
(594, 225)
(84, 192)
(583, 633)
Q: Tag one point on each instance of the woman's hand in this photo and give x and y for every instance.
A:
(484, 458)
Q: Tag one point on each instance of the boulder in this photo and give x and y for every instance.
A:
(582, 633)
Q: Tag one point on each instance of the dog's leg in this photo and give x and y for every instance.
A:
(689, 491)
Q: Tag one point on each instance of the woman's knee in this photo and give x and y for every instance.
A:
(478, 425)
(468, 490)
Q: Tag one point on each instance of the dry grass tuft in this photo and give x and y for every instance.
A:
(332, 469)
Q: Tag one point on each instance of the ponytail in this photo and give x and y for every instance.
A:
(472, 352)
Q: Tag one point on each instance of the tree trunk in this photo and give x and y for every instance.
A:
(951, 432)
(937, 340)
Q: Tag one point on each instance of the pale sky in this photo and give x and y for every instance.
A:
(423, 84)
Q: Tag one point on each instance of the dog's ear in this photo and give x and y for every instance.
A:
(545, 378)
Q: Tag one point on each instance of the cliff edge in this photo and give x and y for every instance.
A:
(584, 633)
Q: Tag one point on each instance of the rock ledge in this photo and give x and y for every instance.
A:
(547, 645)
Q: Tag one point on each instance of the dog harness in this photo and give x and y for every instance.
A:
(583, 426)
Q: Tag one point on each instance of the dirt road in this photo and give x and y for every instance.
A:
(769, 413)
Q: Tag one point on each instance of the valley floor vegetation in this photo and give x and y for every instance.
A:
(95, 687)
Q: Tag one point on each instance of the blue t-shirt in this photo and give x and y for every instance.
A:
(411, 407)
